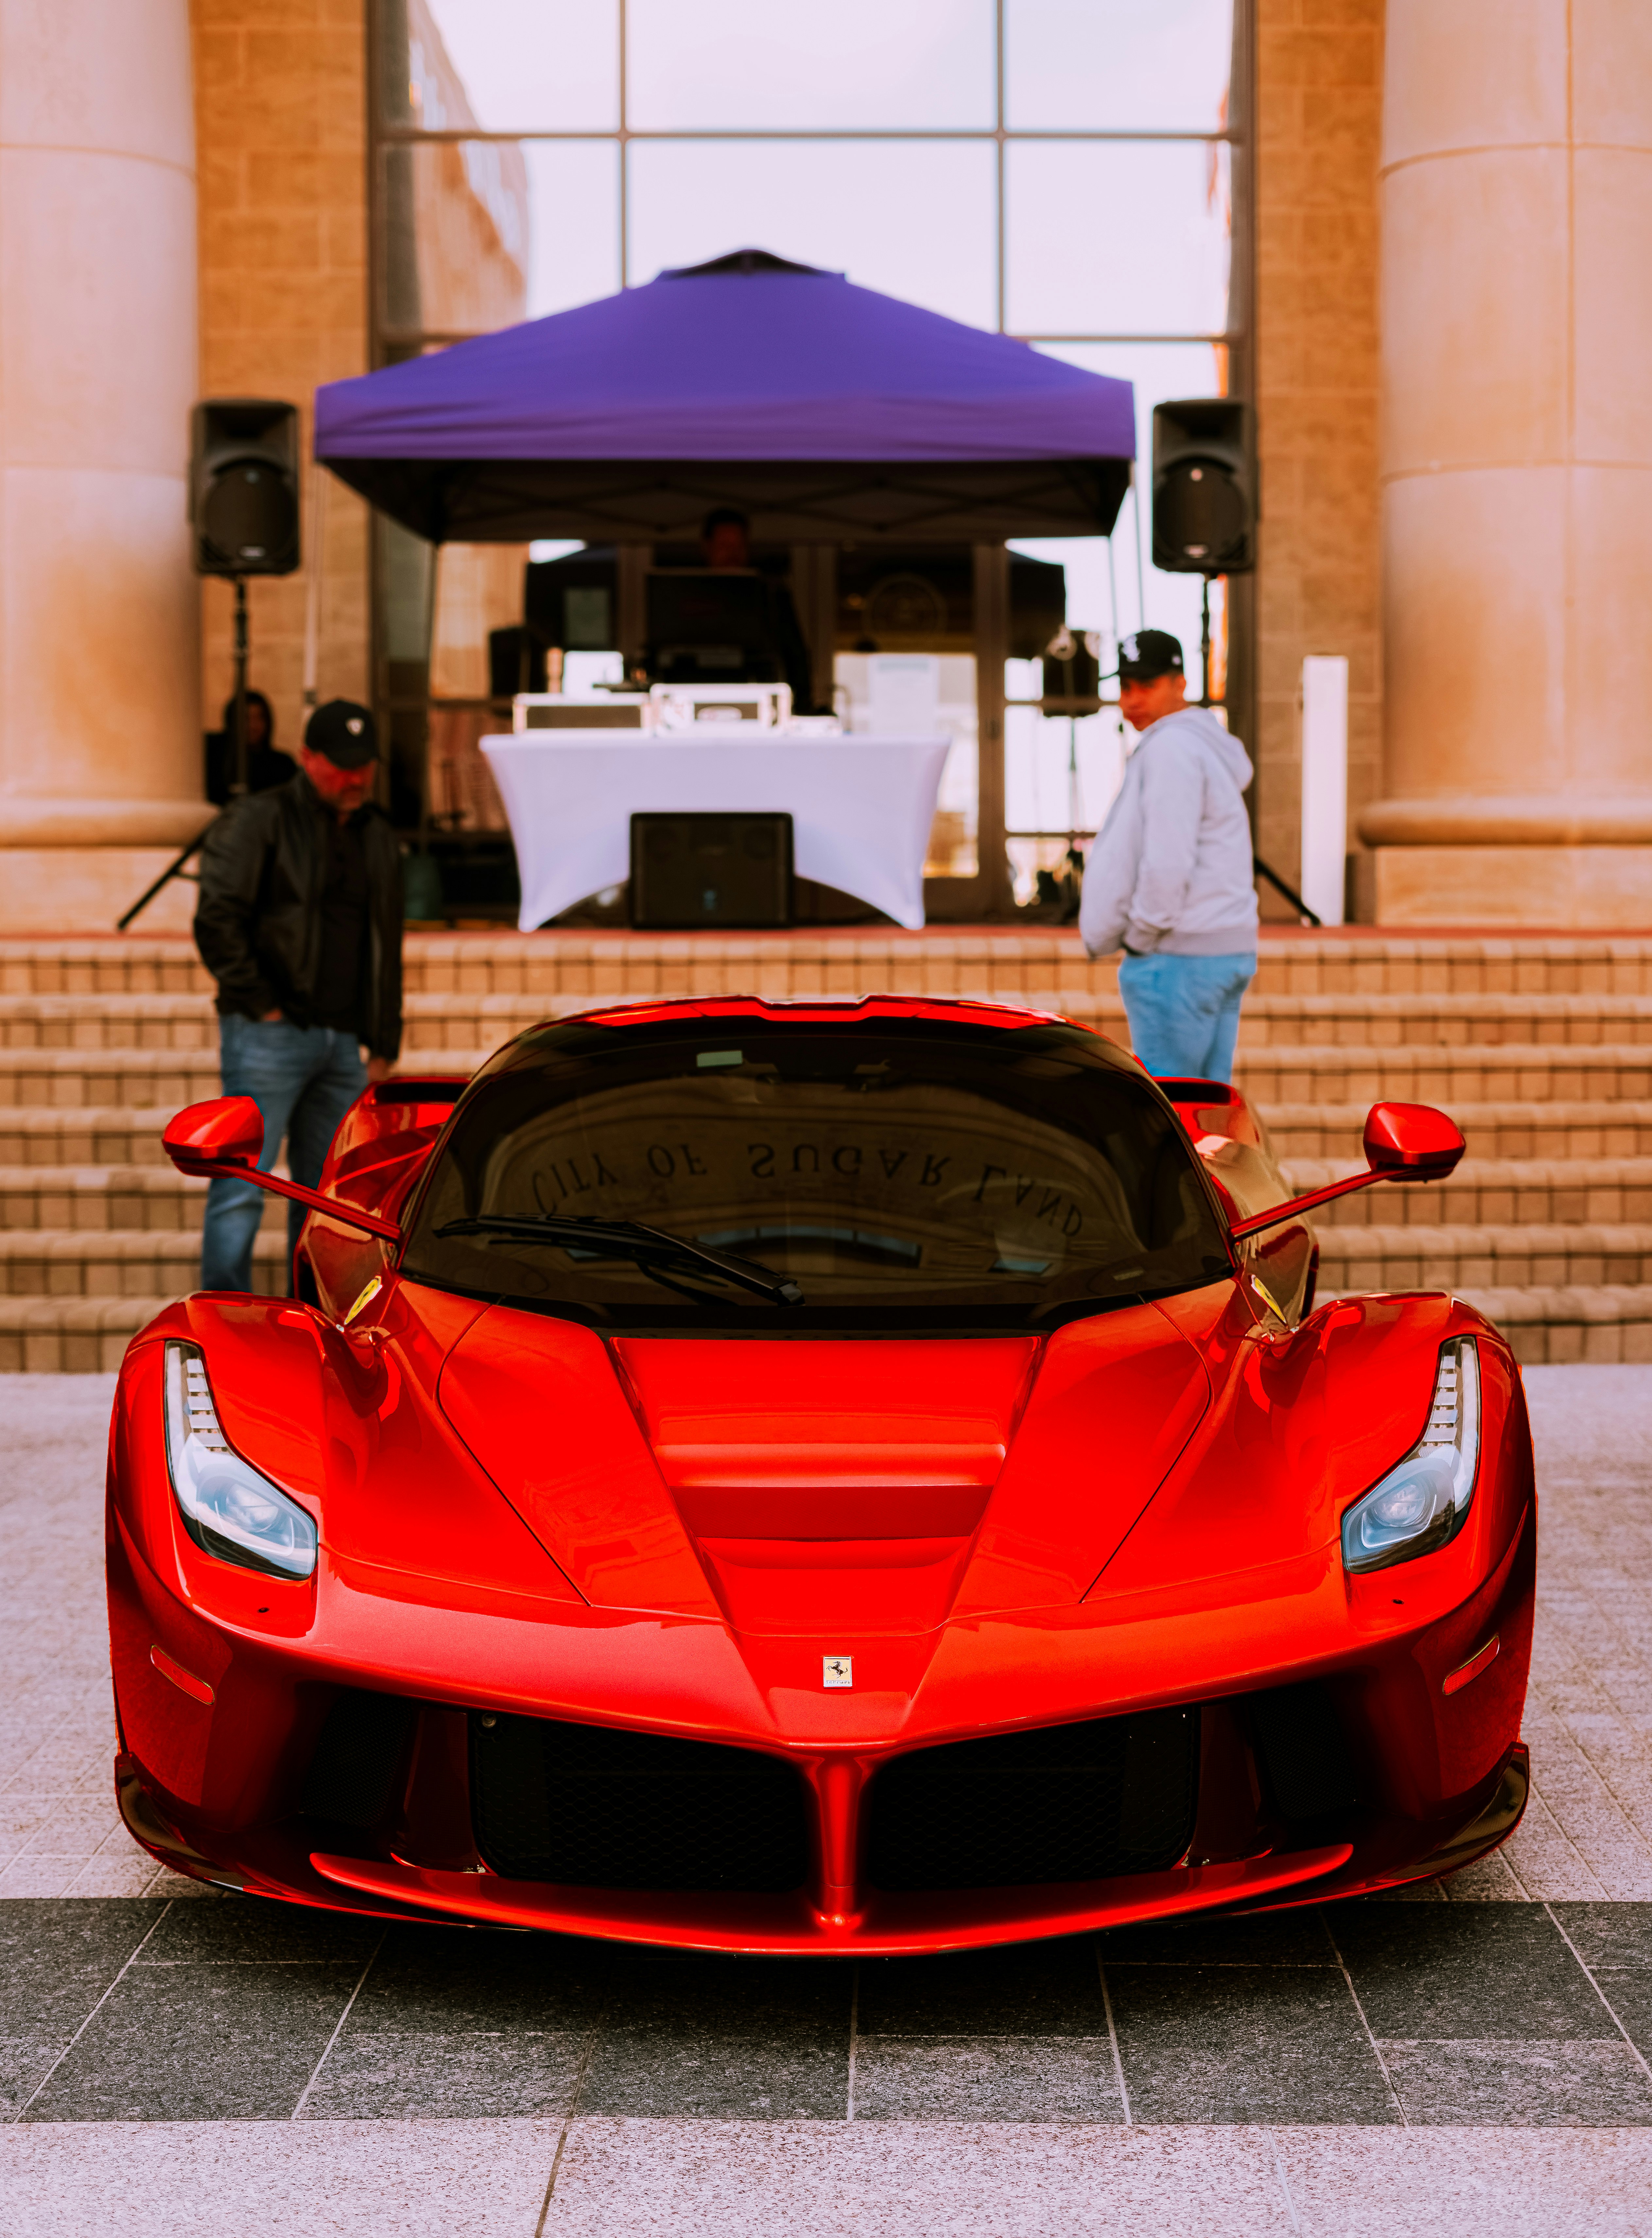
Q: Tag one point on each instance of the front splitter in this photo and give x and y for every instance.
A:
(789, 1926)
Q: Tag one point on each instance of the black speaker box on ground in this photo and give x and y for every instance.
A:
(691, 868)
(244, 486)
(1205, 486)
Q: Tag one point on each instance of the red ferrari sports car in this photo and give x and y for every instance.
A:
(816, 1478)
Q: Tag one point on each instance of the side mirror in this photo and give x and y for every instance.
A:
(211, 1138)
(1404, 1143)
(225, 1139)
(1411, 1142)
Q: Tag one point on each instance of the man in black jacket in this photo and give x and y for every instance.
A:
(299, 923)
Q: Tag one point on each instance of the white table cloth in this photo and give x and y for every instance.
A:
(860, 807)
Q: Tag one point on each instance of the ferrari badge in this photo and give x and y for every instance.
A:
(837, 1671)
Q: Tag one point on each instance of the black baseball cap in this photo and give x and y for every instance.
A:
(345, 733)
(1147, 654)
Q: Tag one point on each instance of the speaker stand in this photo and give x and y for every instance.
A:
(238, 781)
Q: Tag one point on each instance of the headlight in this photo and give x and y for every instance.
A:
(227, 1508)
(1421, 1504)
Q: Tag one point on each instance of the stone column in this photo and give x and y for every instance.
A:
(100, 726)
(1517, 464)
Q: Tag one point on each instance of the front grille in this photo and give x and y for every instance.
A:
(1070, 1803)
(594, 1808)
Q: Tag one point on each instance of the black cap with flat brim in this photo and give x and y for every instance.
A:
(1147, 654)
(345, 732)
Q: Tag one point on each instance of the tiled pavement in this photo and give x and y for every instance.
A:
(1477, 2059)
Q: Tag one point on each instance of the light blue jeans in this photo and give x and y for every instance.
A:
(1183, 1012)
(303, 1079)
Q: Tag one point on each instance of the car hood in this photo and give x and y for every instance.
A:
(872, 1485)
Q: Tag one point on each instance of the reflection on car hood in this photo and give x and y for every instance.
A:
(876, 1486)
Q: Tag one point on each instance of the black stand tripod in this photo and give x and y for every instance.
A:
(238, 781)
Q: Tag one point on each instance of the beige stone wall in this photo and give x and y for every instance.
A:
(1319, 89)
(99, 783)
(281, 125)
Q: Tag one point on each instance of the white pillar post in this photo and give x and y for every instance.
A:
(1324, 784)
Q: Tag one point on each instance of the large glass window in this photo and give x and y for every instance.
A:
(1071, 172)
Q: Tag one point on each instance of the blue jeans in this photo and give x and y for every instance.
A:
(1183, 1012)
(303, 1079)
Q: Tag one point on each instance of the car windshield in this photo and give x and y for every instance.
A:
(778, 1176)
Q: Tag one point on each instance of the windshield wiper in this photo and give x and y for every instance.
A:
(628, 1239)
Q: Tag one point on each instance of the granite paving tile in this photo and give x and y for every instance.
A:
(1273, 1938)
(129, 1873)
(726, 2039)
(19, 1817)
(1238, 2044)
(465, 2074)
(1491, 2182)
(38, 1876)
(1627, 1993)
(706, 2073)
(1535, 2083)
(251, 1931)
(664, 2178)
(56, 1959)
(445, 1981)
(74, 1825)
(192, 2043)
(1488, 1880)
(1467, 1972)
(1545, 1860)
(1019, 2078)
(1031, 1989)
(289, 2180)
(1614, 1934)
(739, 1996)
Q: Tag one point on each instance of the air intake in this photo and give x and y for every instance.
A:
(594, 1808)
(1070, 1803)
(361, 1748)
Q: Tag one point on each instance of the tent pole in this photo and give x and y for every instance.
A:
(992, 650)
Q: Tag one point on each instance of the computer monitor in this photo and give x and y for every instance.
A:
(710, 625)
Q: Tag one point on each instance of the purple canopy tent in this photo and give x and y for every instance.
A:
(827, 412)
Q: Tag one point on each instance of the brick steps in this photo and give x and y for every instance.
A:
(72, 1262)
(1509, 1073)
(1361, 1023)
(1542, 1048)
(1606, 1325)
(117, 1198)
(1516, 1073)
(84, 1134)
(1487, 1192)
(1547, 1257)
(1013, 964)
(73, 1336)
(1559, 1130)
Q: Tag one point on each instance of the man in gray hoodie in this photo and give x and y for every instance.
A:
(1170, 878)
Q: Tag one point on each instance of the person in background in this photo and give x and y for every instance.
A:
(725, 541)
(299, 923)
(1171, 876)
(267, 766)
